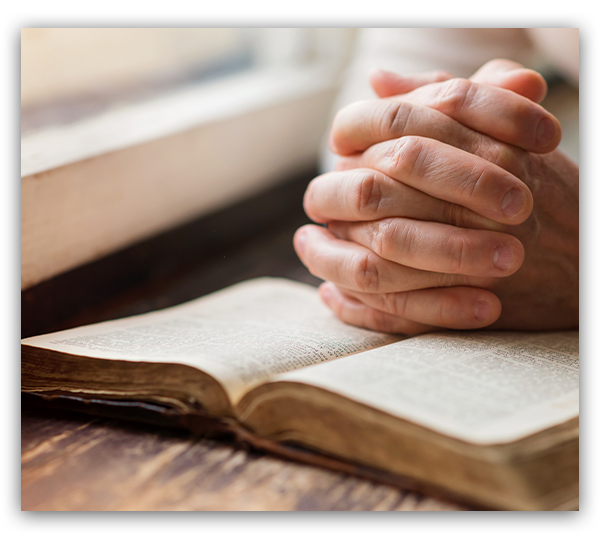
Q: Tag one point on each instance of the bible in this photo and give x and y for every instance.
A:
(489, 417)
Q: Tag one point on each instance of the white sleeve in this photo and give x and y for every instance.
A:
(412, 50)
(561, 47)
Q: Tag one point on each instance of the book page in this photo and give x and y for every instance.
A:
(481, 387)
(241, 335)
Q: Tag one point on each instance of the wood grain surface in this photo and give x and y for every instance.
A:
(75, 462)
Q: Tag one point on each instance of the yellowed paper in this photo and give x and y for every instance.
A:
(482, 387)
(242, 335)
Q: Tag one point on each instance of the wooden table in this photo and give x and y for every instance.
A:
(72, 461)
(75, 461)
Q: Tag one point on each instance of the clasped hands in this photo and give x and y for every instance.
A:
(449, 207)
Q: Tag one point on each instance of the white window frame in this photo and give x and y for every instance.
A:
(101, 184)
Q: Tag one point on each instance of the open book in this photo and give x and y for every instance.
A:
(489, 416)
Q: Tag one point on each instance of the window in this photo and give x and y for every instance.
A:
(129, 132)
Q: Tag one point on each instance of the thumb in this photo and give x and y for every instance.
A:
(387, 83)
(501, 73)
(514, 77)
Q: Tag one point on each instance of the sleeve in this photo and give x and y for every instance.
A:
(561, 48)
(411, 50)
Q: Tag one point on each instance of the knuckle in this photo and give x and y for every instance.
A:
(445, 279)
(455, 94)
(408, 239)
(490, 150)
(456, 215)
(440, 279)
(507, 157)
(391, 158)
(459, 247)
(396, 303)
(394, 120)
(469, 185)
(382, 237)
(365, 273)
(407, 154)
(367, 197)
(536, 167)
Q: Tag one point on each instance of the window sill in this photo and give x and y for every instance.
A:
(93, 187)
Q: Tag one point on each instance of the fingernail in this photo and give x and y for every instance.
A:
(545, 132)
(512, 203)
(482, 311)
(502, 257)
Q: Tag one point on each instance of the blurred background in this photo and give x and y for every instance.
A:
(139, 130)
(68, 72)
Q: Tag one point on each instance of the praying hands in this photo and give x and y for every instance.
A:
(450, 207)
